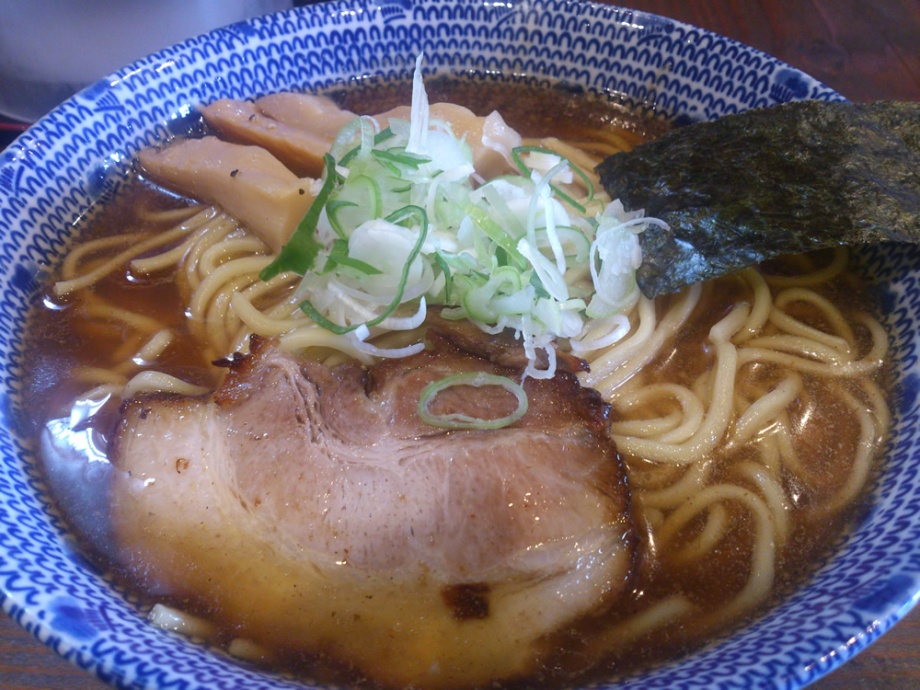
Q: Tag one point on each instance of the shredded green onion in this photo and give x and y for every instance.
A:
(445, 271)
(339, 257)
(400, 157)
(476, 379)
(300, 252)
(516, 155)
(401, 221)
(398, 216)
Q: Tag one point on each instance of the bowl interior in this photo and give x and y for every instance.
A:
(56, 171)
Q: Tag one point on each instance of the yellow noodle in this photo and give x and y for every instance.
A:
(175, 215)
(311, 335)
(197, 225)
(648, 427)
(76, 256)
(676, 427)
(161, 262)
(65, 287)
(610, 369)
(605, 362)
(862, 460)
(876, 402)
(867, 365)
(154, 347)
(768, 451)
(782, 435)
(815, 277)
(231, 248)
(800, 347)
(713, 428)
(693, 480)
(652, 475)
(765, 409)
(773, 495)
(216, 230)
(714, 530)
(221, 322)
(233, 316)
(213, 283)
(659, 614)
(158, 382)
(95, 308)
(763, 560)
(761, 571)
(258, 322)
(702, 387)
(761, 305)
(126, 350)
(841, 337)
(98, 375)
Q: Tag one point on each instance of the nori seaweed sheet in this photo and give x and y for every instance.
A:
(790, 178)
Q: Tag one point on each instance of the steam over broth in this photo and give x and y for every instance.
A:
(782, 485)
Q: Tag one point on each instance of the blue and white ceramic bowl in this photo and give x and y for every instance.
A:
(53, 173)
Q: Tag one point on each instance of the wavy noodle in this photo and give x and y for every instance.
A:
(96, 273)
(672, 428)
(710, 432)
(611, 368)
(806, 360)
(808, 275)
(761, 305)
(727, 440)
(694, 478)
(158, 382)
(715, 527)
(763, 411)
(659, 614)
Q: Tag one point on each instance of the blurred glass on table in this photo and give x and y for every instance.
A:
(50, 49)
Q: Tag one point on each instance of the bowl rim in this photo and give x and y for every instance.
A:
(41, 141)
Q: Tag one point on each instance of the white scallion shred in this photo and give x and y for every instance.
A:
(405, 222)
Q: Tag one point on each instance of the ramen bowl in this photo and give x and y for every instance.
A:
(54, 173)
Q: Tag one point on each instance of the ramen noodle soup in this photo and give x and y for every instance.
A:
(740, 422)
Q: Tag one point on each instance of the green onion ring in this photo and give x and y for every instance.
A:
(476, 379)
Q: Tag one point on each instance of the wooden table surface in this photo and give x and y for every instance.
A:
(866, 50)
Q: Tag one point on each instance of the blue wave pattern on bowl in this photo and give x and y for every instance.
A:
(53, 174)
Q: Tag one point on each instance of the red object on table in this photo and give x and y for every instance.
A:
(865, 50)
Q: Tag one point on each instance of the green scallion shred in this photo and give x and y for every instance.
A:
(400, 157)
(446, 272)
(339, 257)
(362, 201)
(300, 251)
(496, 233)
(396, 217)
(383, 135)
(332, 213)
(516, 154)
(518, 251)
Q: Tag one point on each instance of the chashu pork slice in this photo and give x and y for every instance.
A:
(310, 510)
